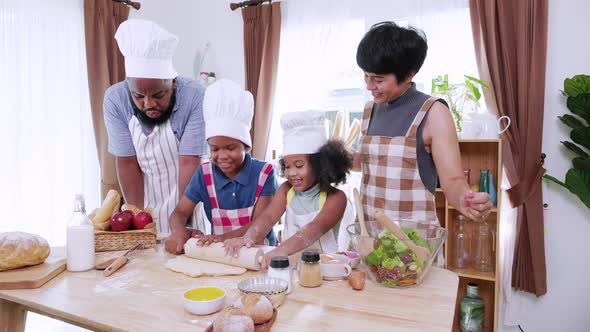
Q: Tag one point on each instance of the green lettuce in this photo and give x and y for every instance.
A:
(390, 263)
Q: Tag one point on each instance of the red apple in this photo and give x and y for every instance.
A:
(141, 219)
(130, 213)
(121, 221)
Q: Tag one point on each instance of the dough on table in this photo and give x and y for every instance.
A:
(195, 267)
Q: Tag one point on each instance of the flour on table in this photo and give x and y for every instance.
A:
(195, 267)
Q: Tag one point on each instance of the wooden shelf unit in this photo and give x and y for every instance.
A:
(475, 155)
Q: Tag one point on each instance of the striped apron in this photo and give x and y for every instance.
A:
(157, 155)
(225, 221)
(391, 179)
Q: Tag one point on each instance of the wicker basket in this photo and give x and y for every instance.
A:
(110, 241)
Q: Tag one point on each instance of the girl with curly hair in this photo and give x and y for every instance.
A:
(312, 166)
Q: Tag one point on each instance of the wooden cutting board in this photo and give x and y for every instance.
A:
(37, 275)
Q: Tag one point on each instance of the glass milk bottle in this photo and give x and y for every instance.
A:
(80, 239)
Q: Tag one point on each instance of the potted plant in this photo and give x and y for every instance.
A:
(457, 95)
(577, 178)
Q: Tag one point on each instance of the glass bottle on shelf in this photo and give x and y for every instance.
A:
(472, 310)
(483, 245)
(484, 184)
(461, 243)
(466, 173)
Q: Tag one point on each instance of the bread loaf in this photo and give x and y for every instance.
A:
(19, 249)
(233, 320)
(257, 306)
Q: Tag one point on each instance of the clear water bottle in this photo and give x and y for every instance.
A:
(472, 310)
(461, 242)
(80, 238)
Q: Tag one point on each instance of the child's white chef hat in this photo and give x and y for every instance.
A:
(228, 111)
(148, 49)
(303, 132)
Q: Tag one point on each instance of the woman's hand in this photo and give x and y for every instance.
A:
(267, 257)
(476, 206)
(232, 246)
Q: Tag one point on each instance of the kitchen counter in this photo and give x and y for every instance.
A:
(145, 296)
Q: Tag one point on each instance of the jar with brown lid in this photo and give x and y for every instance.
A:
(310, 274)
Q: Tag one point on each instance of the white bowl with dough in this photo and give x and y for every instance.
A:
(203, 300)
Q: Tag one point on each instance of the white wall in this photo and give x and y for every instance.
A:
(565, 307)
(197, 22)
(567, 220)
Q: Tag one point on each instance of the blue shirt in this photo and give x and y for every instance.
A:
(186, 119)
(232, 194)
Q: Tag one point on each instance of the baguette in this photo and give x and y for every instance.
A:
(337, 132)
(130, 207)
(355, 129)
(110, 203)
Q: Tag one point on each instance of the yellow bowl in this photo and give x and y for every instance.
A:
(203, 300)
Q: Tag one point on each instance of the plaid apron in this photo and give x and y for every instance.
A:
(225, 221)
(391, 179)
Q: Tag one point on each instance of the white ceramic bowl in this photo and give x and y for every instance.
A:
(195, 302)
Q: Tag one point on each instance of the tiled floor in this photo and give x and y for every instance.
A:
(39, 323)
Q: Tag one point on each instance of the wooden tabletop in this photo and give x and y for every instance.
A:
(145, 296)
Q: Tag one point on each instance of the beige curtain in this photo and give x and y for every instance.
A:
(106, 66)
(511, 44)
(262, 31)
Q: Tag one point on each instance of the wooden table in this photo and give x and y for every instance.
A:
(144, 296)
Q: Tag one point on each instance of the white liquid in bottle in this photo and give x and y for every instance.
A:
(80, 239)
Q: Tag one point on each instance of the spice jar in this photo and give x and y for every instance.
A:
(310, 274)
(279, 268)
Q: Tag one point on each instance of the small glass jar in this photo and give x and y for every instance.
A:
(310, 274)
(279, 268)
(472, 310)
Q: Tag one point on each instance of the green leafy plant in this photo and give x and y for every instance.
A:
(456, 95)
(577, 178)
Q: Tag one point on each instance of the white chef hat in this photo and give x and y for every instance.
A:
(148, 49)
(228, 111)
(303, 132)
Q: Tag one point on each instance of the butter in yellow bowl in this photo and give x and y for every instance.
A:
(203, 300)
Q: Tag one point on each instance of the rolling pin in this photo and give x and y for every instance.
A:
(248, 258)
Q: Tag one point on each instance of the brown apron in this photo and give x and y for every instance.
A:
(391, 179)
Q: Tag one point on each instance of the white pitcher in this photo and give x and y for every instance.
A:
(485, 126)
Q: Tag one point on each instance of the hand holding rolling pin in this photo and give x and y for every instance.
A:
(232, 246)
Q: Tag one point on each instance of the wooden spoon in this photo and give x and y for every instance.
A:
(366, 244)
(421, 252)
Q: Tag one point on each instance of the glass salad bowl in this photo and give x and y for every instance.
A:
(388, 260)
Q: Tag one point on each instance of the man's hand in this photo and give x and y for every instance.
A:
(175, 242)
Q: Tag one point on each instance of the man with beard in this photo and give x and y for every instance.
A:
(154, 121)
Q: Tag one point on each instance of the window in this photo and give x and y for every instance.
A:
(48, 149)
(317, 60)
